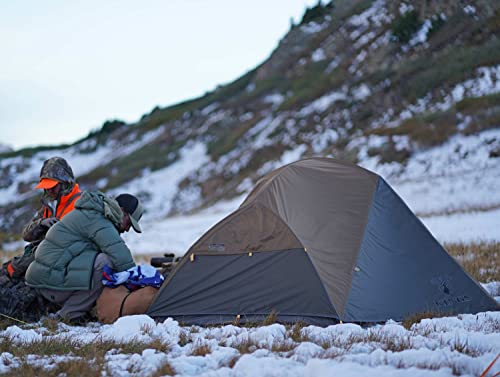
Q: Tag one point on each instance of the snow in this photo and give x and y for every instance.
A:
(470, 9)
(161, 185)
(274, 99)
(463, 345)
(421, 35)
(323, 103)
(486, 81)
(465, 227)
(361, 92)
(313, 27)
(318, 55)
(376, 14)
(459, 175)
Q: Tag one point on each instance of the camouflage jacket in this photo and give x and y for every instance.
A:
(34, 231)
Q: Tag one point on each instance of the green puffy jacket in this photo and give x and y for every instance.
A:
(65, 258)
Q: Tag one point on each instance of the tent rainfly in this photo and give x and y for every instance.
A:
(320, 241)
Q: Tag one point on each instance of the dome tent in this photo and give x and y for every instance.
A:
(320, 241)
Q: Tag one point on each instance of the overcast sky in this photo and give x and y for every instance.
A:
(67, 66)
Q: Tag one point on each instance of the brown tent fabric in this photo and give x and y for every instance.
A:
(253, 228)
(327, 216)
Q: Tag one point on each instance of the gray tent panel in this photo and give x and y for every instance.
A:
(403, 270)
(216, 288)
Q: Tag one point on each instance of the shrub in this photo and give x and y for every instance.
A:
(405, 26)
(316, 12)
(437, 22)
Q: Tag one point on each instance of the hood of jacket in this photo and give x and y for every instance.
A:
(97, 201)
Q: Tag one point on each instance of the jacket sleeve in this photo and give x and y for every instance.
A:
(34, 231)
(108, 240)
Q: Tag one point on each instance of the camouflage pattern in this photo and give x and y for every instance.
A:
(34, 231)
(18, 300)
(57, 168)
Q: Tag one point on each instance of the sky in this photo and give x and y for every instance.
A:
(67, 66)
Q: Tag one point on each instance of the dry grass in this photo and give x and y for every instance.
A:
(480, 260)
(201, 349)
(184, 338)
(296, 333)
(68, 368)
(270, 319)
(164, 370)
(245, 346)
(409, 321)
(454, 211)
(81, 359)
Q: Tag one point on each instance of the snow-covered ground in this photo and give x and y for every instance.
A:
(463, 345)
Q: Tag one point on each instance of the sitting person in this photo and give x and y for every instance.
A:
(60, 192)
(58, 199)
(68, 264)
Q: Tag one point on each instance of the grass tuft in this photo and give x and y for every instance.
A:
(409, 321)
(201, 349)
(270, 319)
(164, 370)
(296, 333)
(479, 259)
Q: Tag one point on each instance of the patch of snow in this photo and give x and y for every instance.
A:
(246, 116)
(456, 175)
(357, 61)
(377, 14)
(246, 185)
(333, 64)
(261, 131)
(209, 109)
(250, 88)
(313, 27)
(318, 55)
(322, 140)
(486, 82)
(361, 92)
(286, 158)
(470, 9)
(420, 36)
(405, 8)
(323, 103)
(465, 227)
(364, 39)
(161, 186)
(275, 99)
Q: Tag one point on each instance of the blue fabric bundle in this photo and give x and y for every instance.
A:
(133, 278)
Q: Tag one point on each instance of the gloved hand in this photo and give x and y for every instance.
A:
(49, 221)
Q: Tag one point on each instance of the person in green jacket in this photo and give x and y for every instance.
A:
(68, 264)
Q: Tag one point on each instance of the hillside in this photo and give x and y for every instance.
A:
(410, 90)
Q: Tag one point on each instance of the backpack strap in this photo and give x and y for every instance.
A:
(123, 304)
